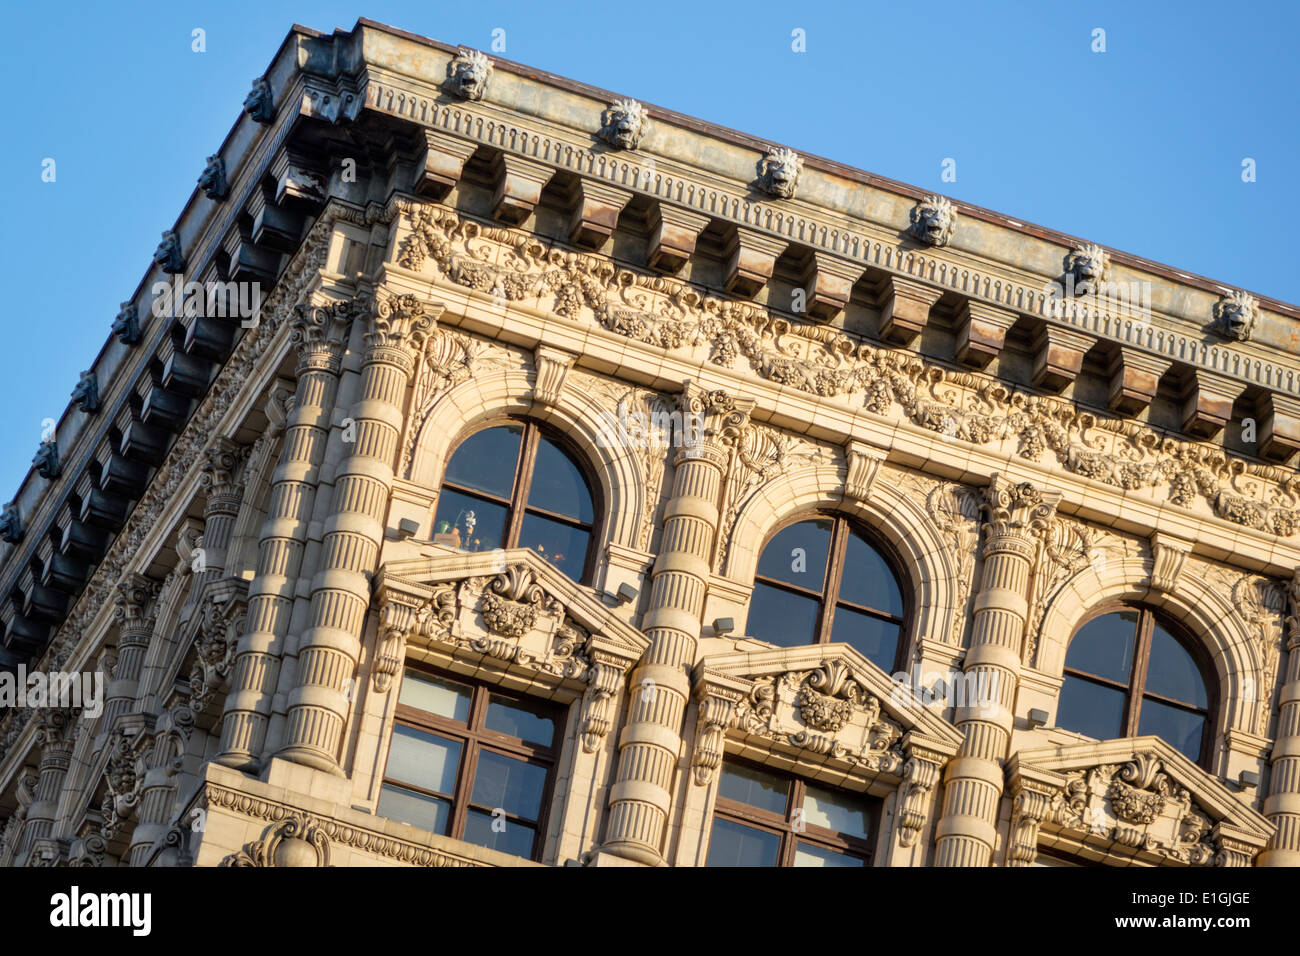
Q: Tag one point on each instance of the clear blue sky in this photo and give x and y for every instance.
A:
(1139, 148)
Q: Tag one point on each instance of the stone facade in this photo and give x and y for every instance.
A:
(234, 522)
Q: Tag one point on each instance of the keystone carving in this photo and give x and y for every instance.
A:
(934, 221)
(623, 123)
(468, 74)
(778, 173)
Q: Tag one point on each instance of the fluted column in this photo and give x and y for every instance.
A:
(1017, 514)
(54, 734)
(651, 743)
(136, 609)
(320, 333)
(398, 330)
(223, 490)
(162, 765)
(1282, 806)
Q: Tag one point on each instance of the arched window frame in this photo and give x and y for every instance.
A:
(1135, 689)
(843, 525)
(517, 504)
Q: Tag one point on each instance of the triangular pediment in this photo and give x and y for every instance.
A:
(1141, 796)
(829, 700)
(510, 596)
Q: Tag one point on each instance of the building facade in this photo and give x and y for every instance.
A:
(515, 473)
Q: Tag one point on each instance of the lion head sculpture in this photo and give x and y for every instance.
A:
(934, 220)
(468, 74)
(213, 179)
(623, 123)
(168, 255)
(778, 173)
(1085, 269)
(258, 103)
(1235, 314)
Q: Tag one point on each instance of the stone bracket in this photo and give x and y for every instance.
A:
(981, 332)
(519, 187)
(829, 283)
(1058, 356)
(441, 163)
(750, 257)
(1279, 428)
(1207, 403)
(906, 310)
(595, 213)
(1134, 379)
(1167, 556)
(673, 236)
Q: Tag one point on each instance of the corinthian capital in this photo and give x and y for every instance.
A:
(133, 603)
(401, 323)
(711, 421)
(320, 331)
(222, 475)
(1016, 514)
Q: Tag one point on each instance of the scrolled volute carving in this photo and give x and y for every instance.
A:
(295, 841)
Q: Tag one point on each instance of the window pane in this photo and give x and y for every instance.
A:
(1104, 646)
(1091, 709)
(877, 640)
(517, 719)
(868, 580)
(780, 617)
(416, 809)
(509, 784)
(442, 697)
(835, 810)
(754, 788)
(486, 460)
(806, 854)
(734, 844)
(1172, 672)
(797, 554)
(560, 544)
(509, 836)
(468, 523)
(1178, 727)
(426, 760)
(558, 485)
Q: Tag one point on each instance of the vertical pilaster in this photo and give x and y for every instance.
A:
(398, 330)
(54, 734)
(135, 610)
(1282, 805)
(162, 765)
(223, 489)
(1017, 514)
(319, 332)
(650, 745)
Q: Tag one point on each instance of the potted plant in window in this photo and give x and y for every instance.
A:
(447, 534)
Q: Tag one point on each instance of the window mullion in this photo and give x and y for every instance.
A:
(523, 481)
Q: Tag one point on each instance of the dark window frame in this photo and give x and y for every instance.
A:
(474, 737)
(1134, 690)
(828, 598)
(780, 824)
(516, 503)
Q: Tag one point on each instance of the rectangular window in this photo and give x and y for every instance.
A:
(763, 818)
(471, 762)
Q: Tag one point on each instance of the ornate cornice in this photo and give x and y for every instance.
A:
(963, 406)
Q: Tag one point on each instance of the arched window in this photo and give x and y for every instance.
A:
(511, 486)
(820, 581)
(1128, 674)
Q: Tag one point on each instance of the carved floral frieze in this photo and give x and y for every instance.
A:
(964, 406)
